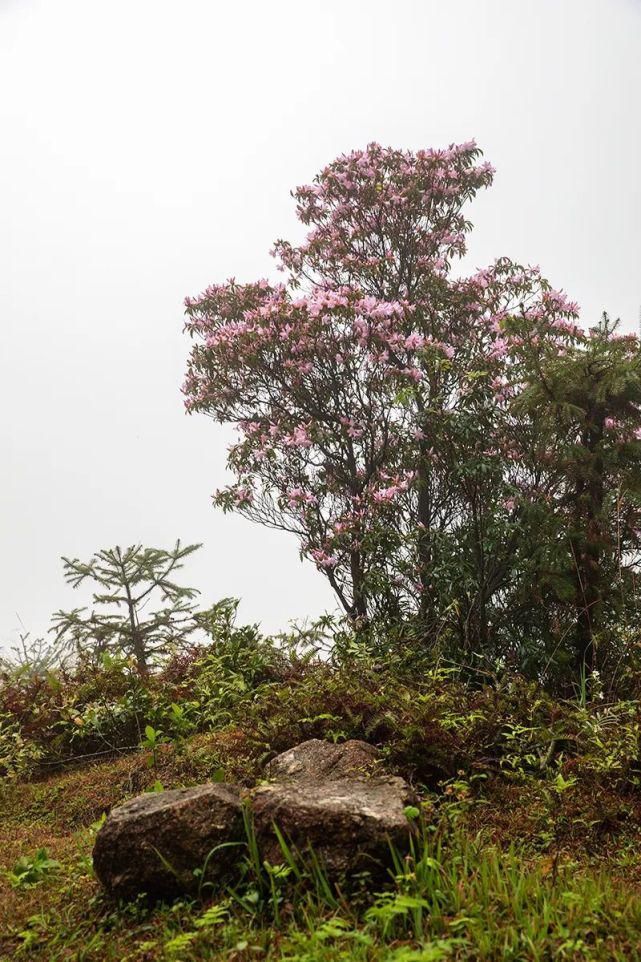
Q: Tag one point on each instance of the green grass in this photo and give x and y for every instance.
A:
(531, 815)
(460, 895)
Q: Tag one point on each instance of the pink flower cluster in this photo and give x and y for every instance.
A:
(401, 484)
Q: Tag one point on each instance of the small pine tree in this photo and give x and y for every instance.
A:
(129, 580)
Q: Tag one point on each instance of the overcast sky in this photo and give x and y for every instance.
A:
(147, 149)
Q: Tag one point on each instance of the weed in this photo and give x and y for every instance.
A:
(29, 870)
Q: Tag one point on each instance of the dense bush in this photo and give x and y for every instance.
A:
(257, 695)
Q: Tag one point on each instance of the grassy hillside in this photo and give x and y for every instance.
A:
(530, 821)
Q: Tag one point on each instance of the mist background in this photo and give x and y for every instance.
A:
(148, 148)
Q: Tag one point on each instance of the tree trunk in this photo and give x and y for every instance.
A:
(588, 551)
(359, 598)
(137, 641)
(427, 601)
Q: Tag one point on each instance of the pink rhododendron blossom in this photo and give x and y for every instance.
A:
(299, 438)
(414, 341)
(323, 559)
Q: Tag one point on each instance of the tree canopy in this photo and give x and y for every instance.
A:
(410, 425)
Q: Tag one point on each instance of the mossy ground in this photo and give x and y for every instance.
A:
(518, 868)
(531, 811)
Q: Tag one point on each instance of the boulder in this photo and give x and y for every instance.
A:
(323, 760)
(153, 843)
(349, 823)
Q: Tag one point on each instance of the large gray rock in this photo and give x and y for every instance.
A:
(179, 828)
(348, 823)
(323, 760)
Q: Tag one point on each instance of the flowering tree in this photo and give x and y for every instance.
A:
(372, 389)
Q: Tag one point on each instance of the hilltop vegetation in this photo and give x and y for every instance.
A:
(530, 805)
(461, 460)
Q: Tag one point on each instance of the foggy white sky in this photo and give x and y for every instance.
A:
(147, 149)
